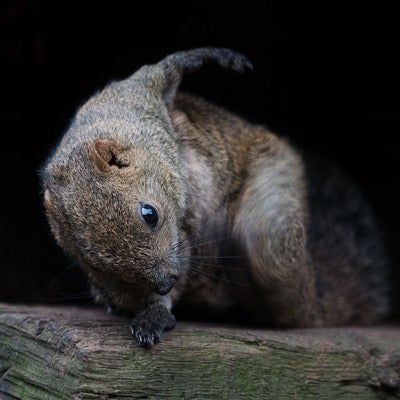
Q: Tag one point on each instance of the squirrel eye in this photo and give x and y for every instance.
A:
(149, 214)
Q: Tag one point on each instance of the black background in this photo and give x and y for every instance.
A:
(325, 75)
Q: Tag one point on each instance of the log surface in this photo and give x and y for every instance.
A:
(77, 353)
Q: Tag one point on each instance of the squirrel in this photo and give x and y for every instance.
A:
(166, 199)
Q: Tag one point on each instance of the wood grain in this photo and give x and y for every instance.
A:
(77, 353)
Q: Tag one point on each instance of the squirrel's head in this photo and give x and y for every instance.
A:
(113, 189)
(112, 208)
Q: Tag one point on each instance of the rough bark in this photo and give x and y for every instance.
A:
(75, 353)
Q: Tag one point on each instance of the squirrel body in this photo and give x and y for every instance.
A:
(165, 198)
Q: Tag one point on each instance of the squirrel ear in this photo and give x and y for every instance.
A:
(107, 152)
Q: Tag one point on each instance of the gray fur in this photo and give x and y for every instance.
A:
(227, 190)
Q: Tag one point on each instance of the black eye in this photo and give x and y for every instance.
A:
(149, 214)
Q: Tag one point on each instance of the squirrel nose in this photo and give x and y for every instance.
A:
(166, 285)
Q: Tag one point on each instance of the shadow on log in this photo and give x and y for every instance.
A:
(75, 353)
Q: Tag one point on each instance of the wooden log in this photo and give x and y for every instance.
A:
(75, 353)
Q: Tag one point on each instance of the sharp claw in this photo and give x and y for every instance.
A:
(144, 340)
(147, 341)
(147, 330)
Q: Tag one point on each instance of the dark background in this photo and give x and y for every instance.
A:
(326, 76)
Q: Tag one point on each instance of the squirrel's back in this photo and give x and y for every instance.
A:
(343, 239)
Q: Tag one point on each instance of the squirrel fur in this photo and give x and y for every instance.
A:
(166, 199)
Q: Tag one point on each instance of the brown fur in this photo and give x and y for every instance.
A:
(233, 203)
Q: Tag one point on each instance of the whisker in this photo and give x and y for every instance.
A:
(211, 257)
(221, 278)
(213, 232)
(106, 289)
(69, 266)
(179, 243)
(196, 245)
(60, 297)
(76, 295)
(225, 267)
(213, 229)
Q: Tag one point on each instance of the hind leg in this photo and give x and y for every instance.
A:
(270, 224)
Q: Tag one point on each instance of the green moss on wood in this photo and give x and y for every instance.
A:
(67, 353)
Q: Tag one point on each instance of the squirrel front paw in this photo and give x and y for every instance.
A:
(147, 327)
